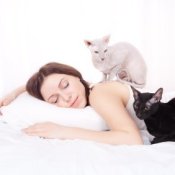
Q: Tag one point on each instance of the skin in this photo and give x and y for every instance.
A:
(11, 96)
(64, 91)
(107, 99)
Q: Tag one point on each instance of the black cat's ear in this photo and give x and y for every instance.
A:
(157, 96)
(135, 93)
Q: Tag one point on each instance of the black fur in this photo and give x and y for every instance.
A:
(159, 117)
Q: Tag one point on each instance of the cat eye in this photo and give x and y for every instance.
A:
(105, 50)
(146, 108)
(96, 51)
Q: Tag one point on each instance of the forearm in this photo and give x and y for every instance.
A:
(54, 130)
(110, 137)
(15, 93)
(19, 90)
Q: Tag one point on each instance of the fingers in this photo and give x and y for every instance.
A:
(0, 106)
(1, 103)
(7, 100)
(44, 129)
(32, 129)
(35, 130)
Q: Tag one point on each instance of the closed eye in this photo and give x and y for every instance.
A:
(96, 52)
(105, 50)
(64, 84)
(53, 99)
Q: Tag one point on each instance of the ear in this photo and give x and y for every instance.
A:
(106, 38)
(136, 93)
(88, 43)
(157, 96)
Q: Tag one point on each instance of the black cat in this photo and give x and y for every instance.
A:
(159, 117)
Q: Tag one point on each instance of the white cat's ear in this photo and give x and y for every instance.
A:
(157, 96)
(106, 38)
(88, 43)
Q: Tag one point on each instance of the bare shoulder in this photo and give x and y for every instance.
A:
(109, 101)
(109, 90)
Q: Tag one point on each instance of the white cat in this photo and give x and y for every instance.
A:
(121, 60)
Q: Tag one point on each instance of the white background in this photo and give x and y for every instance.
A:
(35, 32)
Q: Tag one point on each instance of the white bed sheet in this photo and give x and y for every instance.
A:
(24, 155)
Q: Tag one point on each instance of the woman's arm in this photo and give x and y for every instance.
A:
(110, 105)
(11, 96)
(110, 100)
(54, 131)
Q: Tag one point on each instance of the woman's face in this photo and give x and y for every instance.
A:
(64, 91)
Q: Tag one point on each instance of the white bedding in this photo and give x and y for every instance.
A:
(24, 155)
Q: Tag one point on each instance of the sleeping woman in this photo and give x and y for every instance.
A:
(64, 86)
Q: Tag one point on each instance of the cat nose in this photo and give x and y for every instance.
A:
(102, 59)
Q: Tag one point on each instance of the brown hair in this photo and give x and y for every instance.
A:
(34, 84)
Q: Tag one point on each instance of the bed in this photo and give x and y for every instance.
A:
(25, 155)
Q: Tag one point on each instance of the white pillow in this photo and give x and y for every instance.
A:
(27, 110)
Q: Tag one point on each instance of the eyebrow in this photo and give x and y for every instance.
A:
(58, 86)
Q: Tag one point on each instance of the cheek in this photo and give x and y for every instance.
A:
(95, 57)
(77, 88)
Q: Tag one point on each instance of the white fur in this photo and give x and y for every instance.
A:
(118, 58)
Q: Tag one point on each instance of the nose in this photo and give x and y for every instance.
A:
(102, 59)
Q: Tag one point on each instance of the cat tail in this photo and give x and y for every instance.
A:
(132, 83)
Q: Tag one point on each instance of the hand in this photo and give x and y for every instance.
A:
(46, 130)
(12, 96)
(7, 99)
